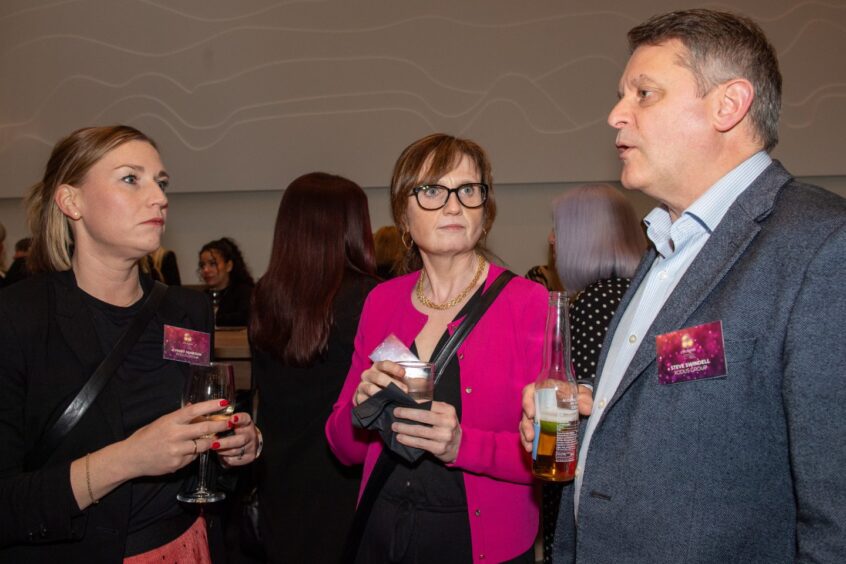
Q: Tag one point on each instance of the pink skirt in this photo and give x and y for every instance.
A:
(191, 546)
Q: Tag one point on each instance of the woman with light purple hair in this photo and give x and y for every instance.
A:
(597, 241)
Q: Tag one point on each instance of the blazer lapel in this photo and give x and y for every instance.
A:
(171, 312)
(730, 239)
(75, 323)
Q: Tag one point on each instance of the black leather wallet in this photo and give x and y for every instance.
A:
(377, 414)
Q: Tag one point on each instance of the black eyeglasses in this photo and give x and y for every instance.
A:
(434, 196)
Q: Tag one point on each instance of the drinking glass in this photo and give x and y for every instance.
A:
(419, 377)
(215, 381)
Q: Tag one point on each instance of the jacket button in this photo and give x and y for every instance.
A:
(468, 390)
(481, 557)
(43, 531)
(478, 512)
(460, 356)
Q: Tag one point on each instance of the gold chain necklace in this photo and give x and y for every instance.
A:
(457, 299)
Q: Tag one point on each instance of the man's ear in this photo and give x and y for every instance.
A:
(735, 99)
(65, 197)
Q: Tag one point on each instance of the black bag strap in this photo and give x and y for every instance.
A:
(473, 317)
(386, 462)
(92, 388)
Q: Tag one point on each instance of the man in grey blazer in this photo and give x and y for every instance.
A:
(718, 423)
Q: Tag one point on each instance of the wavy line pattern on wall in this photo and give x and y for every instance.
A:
(247, 95)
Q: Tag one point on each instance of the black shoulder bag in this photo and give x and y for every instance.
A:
(385, 464)
(51, 440)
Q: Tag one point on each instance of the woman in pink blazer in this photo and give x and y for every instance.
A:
(470, 497)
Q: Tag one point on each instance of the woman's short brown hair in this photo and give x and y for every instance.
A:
(71, 159)
(426, 161)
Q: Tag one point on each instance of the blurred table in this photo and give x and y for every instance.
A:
(231, 345)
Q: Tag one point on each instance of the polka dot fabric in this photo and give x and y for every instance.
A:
(590, 315)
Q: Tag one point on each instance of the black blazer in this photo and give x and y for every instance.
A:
(48, 350)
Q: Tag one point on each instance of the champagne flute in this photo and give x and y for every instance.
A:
(215, 381)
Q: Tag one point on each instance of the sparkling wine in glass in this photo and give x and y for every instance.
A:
(215, 381)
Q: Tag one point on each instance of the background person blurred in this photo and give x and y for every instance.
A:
(228, 281)
(18, 270)
(597, 243)
(161, 265)
(470, 497)
(2, 254)
(389, 251)
(544, 274)
(305, 312)
(106, 492)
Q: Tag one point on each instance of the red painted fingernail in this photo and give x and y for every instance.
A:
(230, 424)
(215, 445)
(235, 418)
(224, 403)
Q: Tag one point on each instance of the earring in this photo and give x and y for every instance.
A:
(410, 240)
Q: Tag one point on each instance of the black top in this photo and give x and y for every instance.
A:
(590, 314)
(169, 271)
(148, 387)
(422, 505)
(17, 272)
(428, 482)
(233, 306)
(308, 498)
(49, 349)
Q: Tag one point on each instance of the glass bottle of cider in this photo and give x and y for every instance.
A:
(555, 449)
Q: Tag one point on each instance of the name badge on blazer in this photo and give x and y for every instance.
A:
(185, 345)
(692, 353)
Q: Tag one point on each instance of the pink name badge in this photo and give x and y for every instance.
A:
(185, 345)
(692, 353)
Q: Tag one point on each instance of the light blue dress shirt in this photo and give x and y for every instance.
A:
(678, 243)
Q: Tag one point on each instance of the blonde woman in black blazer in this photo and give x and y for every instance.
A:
(106, 494)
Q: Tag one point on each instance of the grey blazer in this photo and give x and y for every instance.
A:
(749, 467)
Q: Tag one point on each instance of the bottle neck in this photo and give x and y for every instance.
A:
(556, 347)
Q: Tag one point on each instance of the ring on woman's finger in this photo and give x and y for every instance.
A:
(243, 450)
(195, 446)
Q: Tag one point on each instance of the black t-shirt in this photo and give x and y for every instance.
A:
(148, 387)
(428, 482)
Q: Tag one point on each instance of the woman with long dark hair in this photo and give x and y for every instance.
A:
(304, 316)
(228, 281)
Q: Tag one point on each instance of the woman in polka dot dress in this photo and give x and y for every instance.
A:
(598, 242)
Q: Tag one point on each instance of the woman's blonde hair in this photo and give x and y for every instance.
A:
(70, 161)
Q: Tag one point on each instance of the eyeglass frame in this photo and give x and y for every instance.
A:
(450, 191)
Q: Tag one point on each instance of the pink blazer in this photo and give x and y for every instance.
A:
(500, 356)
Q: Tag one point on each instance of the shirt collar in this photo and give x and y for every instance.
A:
(705, 214)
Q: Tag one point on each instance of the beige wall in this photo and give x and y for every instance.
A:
(244, 96)
(518, 237)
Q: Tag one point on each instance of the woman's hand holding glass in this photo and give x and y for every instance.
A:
(379, 376)
(174, 440)
(242, 447)
(436, 430)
